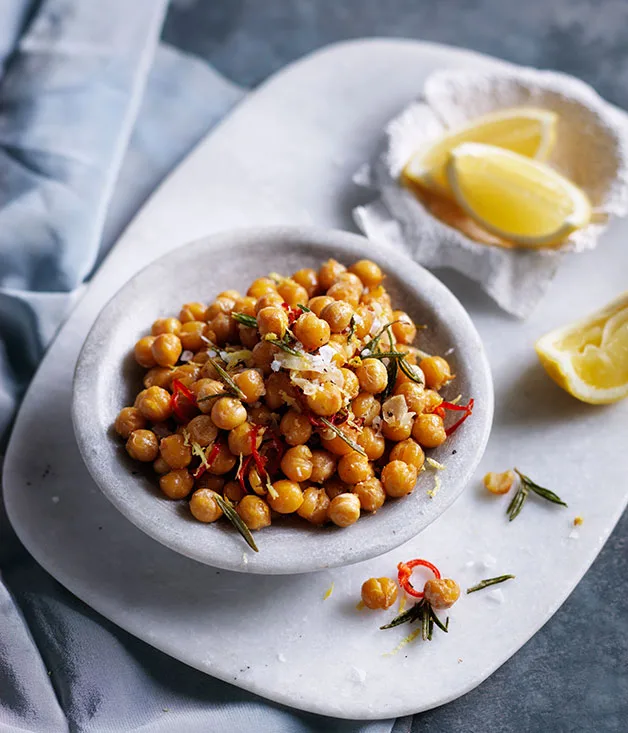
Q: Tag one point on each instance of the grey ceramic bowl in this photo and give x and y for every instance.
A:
(107, 379)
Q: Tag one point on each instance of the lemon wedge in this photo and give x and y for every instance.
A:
(514, 197)
(589, 358)
(528, 131)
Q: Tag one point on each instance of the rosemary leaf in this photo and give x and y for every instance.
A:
(437, 621)
(234, 518)
(342, 436)
(281, 345)
(245, 320)
(539, 490)
(393, 370)
(407, 370)
(211, 397)
(304, 308)
(516, 505)
(385, 355)
(233, 387)
(489, 581)
(351, 329)
(412, 614)
(375, 340)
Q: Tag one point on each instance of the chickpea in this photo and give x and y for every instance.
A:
(278, 386)
(204, 506)
(233, 491)
(372, 444)
(128, 420)
(142, 445)
(202, 430)
(289, 497)
(369, 273)
(261, 286)
(263, 354)
(409, 452)
(258, 486)
(248, 336)
(233, 294)
(191, 335)
(192, 312)
(295, 427)
(397, 431)
(176, 484)
(379, 593)
(297, 463)
(345, 292)
(363, 321)
(337, 445)
(254, 511)
(376, 294)
(308, 279)
(431, 400)
(143, 352)
(261, 415)
(166, 325)
(366, 407)
(205, 391)
(155, 404)
(496, 483)
(139, 397)
(441, 593)
(338, 315)
(312, 331)
(222, 304)
(354, 467)
(370, 493)
(344, 510)
(251, 382)
(372, 376)
(334, 487)
(398, 478)
(409, 351)
(323, 466)
(158, 377)
(228, 412)
(325, 401)
(187, 374)
(223, 462)
(346, 348)
(436, 370)
(414, 395)
(318, 303)
(166, 349)
(268, 300)
(245, 304)
(315, 505)
(328, 273)
(429, 430)
(160, 466)
(174, 451)
(225, 329)
(241, 439)
(403, 327)
(209, 481)
(272, 321)
(209, 371)
(292, 293)
(350, 385)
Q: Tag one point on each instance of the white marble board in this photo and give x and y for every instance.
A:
(286, 156)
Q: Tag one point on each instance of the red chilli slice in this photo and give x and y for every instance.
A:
(404, 570)
(260, 461)
(467, 409)
(182, 412)
(210, 460)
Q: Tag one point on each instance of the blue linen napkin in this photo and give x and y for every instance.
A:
(92, 116)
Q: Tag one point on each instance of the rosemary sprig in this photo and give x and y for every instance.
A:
(245, 320)
(526, 485)
(424, 613)
(351, 329)
(211, 397)
(352, 444)
(518, 500)
(304, 308)
(234, 518)
(407, 370)
(393, 370)
(226, 378)
(375, 340)
(545, 493)
(281, 344)
(385, 355)
(489, 581)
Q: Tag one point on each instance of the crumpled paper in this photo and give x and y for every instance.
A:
(591, 149)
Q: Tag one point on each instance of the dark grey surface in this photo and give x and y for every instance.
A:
(573, 675)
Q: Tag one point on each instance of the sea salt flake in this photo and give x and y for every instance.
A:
(496, 596)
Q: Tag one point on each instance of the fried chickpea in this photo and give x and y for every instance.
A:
(208, 370)
(344, 510)
(128, 420)
(166, 349)
(233, 294)
(398, 478)
(315, 505)
(142, 445)
(338, 315)
(372, 376)
(191, 335)
(409, 351)
(363, 320)
(496, 483)
(254, 512)
(334, 487)
(251, 382)
(187, 374)
(289, 497)
(417, 373)
(261, 415)
(292, 293)
(350, 385)
(297, 463)
(318, 303)
(441, 593)
(346, 292)
(397, 431)
(436, 370)
(143, 352)
(233, 491)
(408, 451)
(335, 444)
(328, 273)
(312, 331)
(268, 300)
(176, 484)
(225, 329)
(204, 506)
(204, 391)
(308, 279)
(138, 397)
(158, 377)
(366, 407)
(403, 327)
(351, 279)
(347, 349)
(240, 439)
(263, 354)
(323, 466)
(245, 304)
(222, 304)
(160, 466)
(228, 412)
(175, 452)
(272, 321)
(429, 430)
(248, 336)
(223, 462)
(278, 386)
(202, 430)
(295, 427)
(379, 593)
(370, 493)
(209, 481)
(261, 286)
(258, 486)
(369, 273)
(354, 467)
(414, 395)
(431, 400)
(155, 404)
(326, 401)
(192, 312)
(166, 325)
(372, 444)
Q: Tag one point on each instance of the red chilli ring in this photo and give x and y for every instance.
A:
(405, 572)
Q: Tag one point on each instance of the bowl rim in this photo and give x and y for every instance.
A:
(345, 244)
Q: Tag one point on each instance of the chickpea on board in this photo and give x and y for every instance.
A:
(304, 396)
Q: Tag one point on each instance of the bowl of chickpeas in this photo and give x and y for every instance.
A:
(282, 400)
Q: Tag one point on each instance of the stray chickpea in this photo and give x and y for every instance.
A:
(366, 407)
(344, 510)
(372, 376)
(295, 427)
(372, 444)
(251, 382)
(166, 325)
(176, 484)
(379, 593)
(403, 327)
(369, 273)
(240, 439)
(315, 505)
(174, 451)
(398, 478)
(272, 321)
(128, 420)
(155, 404)
(166, 349)
(297, 463)
(370, 493)
(204, 506)
(318, 303)
(338, 315)
(414, 395)
(191, 335)
(142, 445)
(308, 279)
(292, 293)
(227, 413)
(410, 452)
(328, 273)
(192, 312)
(326, 401)
(499, 483)
(202, 430)
(436, 370)
(233, 491)
(223, 462)
(429, 430)
(143, 352)
(263, 354)
(323, 466)
(441, 593)
(254, 512)
(312, 331)
(354, 467)
(289, 497)
(158, 377)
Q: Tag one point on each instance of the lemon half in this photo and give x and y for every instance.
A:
(589, 358)
(528, 131)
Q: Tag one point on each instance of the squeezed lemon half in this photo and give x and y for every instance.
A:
(589, 358)
(528, 131)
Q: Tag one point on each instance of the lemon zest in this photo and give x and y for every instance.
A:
(437, 484)
(404, 642)
(329, 591)
(360, 606)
